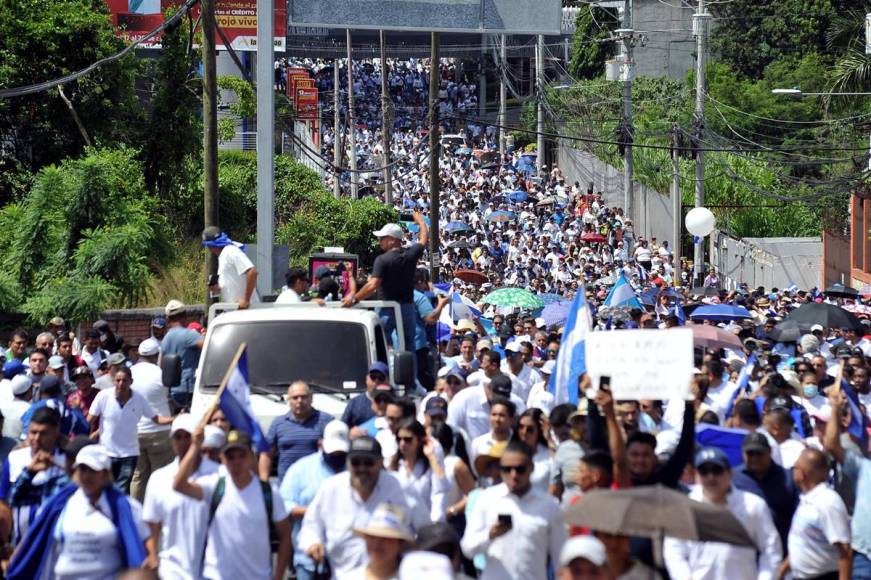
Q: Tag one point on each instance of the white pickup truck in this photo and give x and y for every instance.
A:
(328, 347)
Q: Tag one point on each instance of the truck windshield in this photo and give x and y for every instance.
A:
(322, 353)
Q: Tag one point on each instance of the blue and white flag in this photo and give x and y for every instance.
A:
(571, 361)
(622, 294)
(681, 316)
(858, 426)
(235, 402)
(743, 383)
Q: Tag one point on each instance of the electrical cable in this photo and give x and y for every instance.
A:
(170, 23)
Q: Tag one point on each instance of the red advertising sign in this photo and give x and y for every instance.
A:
(301, 84)
(307, 103)
(133, 19)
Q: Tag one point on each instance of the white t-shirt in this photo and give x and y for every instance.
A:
(148, 382)
(12, 413)
(86, 540)
(232, 265)
(240, 527)
(288, 296)
(820, 521)
(642, 254)
(118, 424)
(183, 521)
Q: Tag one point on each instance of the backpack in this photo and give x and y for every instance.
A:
(267, 499)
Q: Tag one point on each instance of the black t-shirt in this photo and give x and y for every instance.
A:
(396, 270)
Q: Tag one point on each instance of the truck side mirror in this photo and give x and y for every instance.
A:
(170, 367)
(403, 369)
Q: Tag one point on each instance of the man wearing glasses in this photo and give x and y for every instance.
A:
(359, 409)
(347, 501)
(688, 559)
(515, 525)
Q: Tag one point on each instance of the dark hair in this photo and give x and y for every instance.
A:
(599, 459)
(20, 333)
(709, 418)
(293, 275)
(122, 368)
(418, 431)
(746, 410)
(443, 433)
(518, 447)
(41, 351)
(643, 438)
(715, 367)
(421, 275)
(561, 413)
(46, 416)
(493, 356)
(51, 390)
(407, 405)
(93, 334)
(64, 338)
(505, 402)
(534, 414)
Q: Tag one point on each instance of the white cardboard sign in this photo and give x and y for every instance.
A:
(642, 364)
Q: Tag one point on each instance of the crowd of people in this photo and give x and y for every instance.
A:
(482, 469)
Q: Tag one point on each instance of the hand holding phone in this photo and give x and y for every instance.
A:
(502, 526)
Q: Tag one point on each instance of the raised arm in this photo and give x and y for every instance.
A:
(616, 444)
(832, 437)
(182, 482)
(673, 468)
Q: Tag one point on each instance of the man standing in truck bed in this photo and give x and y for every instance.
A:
(393, 278)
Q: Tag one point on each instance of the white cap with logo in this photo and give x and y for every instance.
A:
(390, 231)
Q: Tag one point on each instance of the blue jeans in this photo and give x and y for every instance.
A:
(122, 471)
(861, 566)
(388, 322)
(305, 573)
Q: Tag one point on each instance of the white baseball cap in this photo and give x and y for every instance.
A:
(174, 307)
(56, 362)
(149, 347)
(335, 437)
(95, 457)
(548, 367)
(20, 384)
(183, 422)
(586, 547)
(430, 565)
(214, 437)
(390, 231)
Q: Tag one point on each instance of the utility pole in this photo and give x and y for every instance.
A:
(700, 28)
(265, 145)
(210, 133)
(337, 131)
(352, 137)
(482, 79)
(434, 184)
(628, 194)
(676, 202)
(386, 122)
(503, 66)
(539, 85)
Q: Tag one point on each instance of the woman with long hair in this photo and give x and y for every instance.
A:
(457, 472)
(418, 467)
(533, 429)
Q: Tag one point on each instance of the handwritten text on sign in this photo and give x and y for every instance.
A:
(643, 364)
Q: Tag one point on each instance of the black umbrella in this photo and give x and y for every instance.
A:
(706, 291)
(841, 291)
(787, 331)
(826, 315)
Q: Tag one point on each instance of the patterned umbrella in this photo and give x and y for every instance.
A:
(513, 297)
(518, 196)
(550, 298)
(556, 312)
(501, 216)
(457, 227)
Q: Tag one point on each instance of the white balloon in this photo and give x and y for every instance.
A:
(700, 221)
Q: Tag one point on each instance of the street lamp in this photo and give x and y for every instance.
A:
(797, 92)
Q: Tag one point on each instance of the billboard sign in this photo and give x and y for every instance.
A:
(307, 103)
(134, 19)
(475, 16)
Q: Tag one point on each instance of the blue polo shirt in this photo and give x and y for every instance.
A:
(778, 490)
(295, 440)
(358, 410)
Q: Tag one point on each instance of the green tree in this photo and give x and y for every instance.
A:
(172, 134)
(593, 28)
(40, 41)
(748, 35)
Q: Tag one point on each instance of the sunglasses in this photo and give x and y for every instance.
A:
(377, 376)
(405, 439)
(362, 462)
(711, 470)
(519, 469)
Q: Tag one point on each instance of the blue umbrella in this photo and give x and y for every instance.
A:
(550, 298)
(720, 313)
(501, 216)
(518, 196)
(462, 151)
(457, 227)
(556, 312)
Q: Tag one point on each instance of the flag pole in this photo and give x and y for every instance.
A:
(216, 401)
